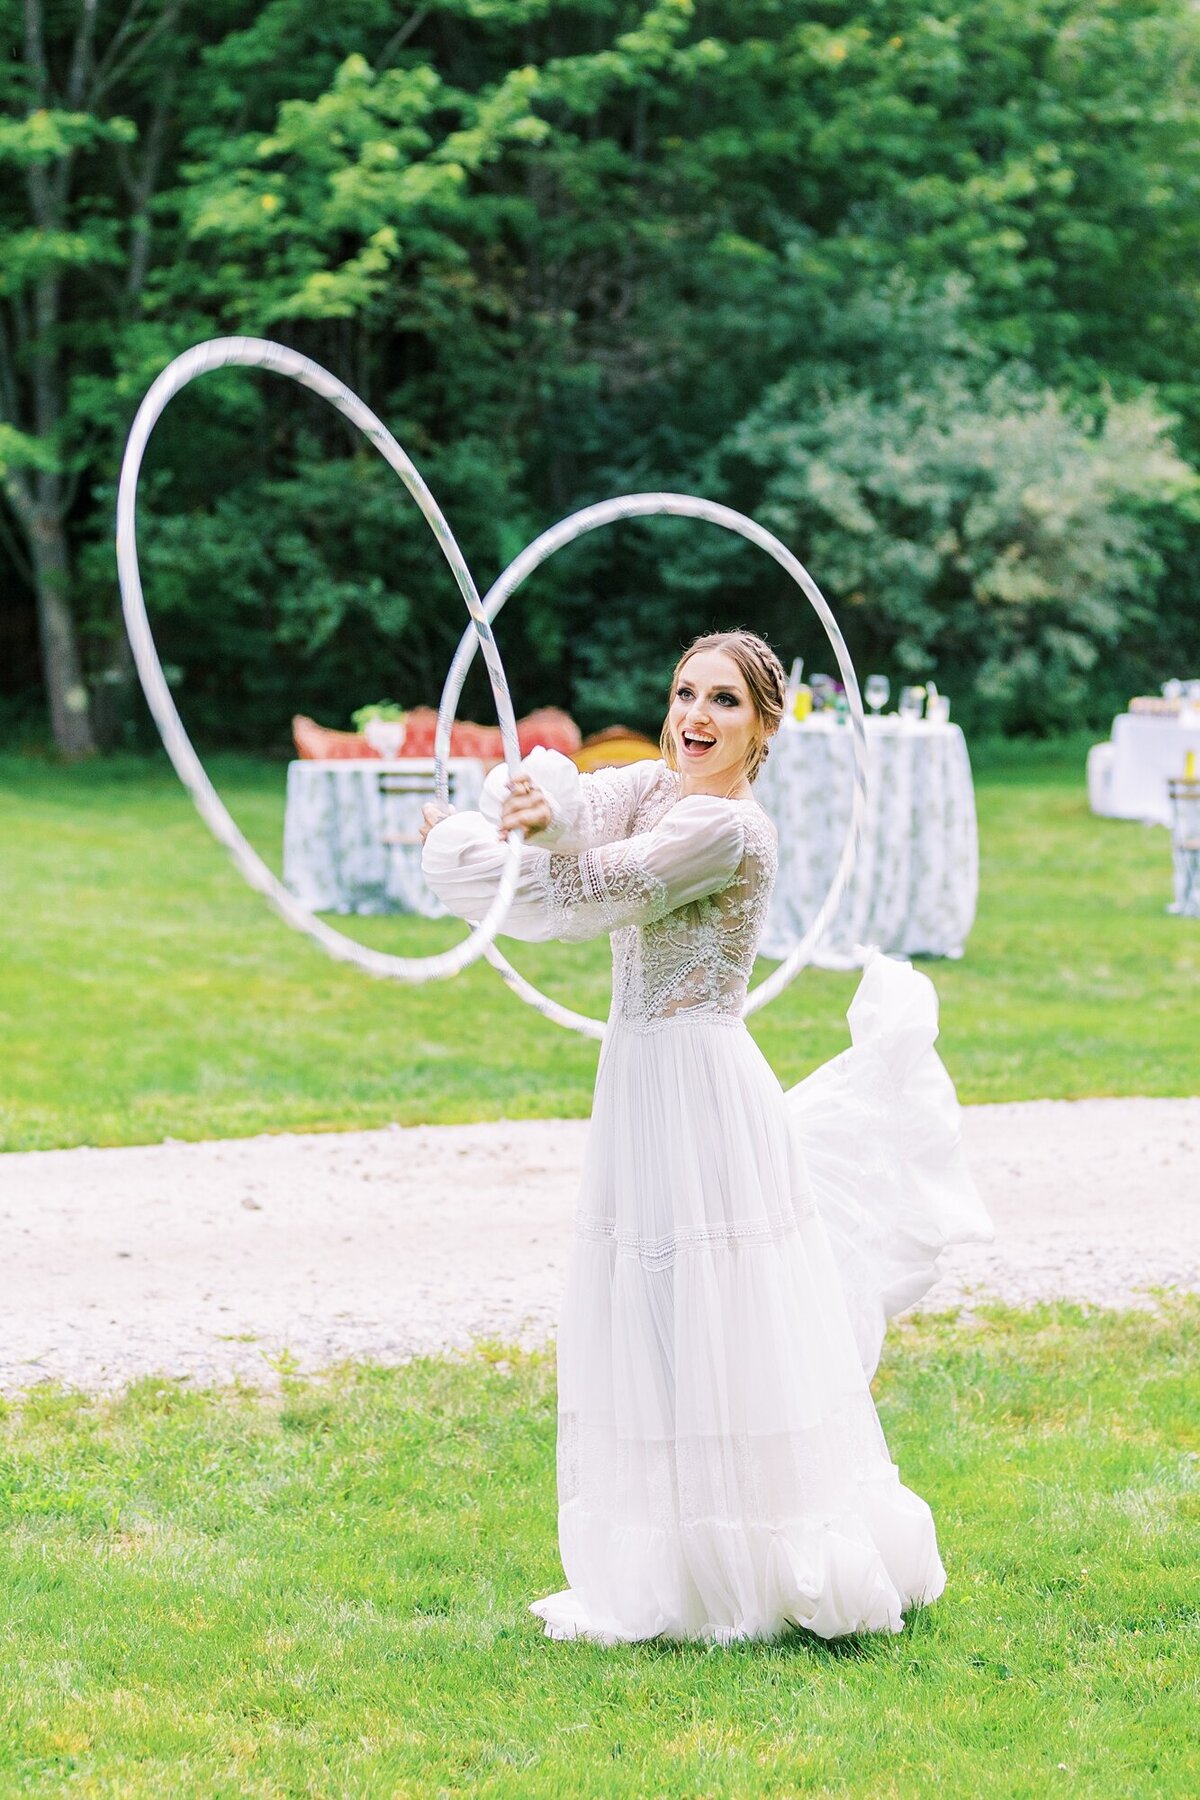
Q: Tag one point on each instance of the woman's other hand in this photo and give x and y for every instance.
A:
(525, 805)
(431, 815)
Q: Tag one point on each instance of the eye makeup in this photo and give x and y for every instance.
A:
(718, 694)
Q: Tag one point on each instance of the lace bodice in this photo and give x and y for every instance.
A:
(681, 882)
(695, 957)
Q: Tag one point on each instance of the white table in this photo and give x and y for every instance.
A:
(1146, 749)
(917, 879)
(350, 835)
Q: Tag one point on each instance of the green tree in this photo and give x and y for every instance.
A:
(986, 531)
(572, 249)
(77, 221)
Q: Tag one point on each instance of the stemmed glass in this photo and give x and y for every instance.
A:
(876, 692)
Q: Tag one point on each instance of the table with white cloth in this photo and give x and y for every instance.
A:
(916, 881)
(1147, 749)
(351, 831)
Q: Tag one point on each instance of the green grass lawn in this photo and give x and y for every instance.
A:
(146, 992)
(324, 1592)
(321, 1588)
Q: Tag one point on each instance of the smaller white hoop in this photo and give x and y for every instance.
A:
(688, 506)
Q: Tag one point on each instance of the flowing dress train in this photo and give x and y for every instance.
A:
(722, 1471)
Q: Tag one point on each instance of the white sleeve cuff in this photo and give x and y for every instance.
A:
(558, 779)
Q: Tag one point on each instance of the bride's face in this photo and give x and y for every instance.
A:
(712, 718)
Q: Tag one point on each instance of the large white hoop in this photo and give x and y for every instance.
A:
(688, 506)
(261, 353)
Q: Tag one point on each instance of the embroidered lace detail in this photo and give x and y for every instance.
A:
(605, 809)
(697, 958)
(582, 898)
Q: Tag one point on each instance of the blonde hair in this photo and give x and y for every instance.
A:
(765, 679)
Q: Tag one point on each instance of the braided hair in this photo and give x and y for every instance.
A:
(765, 678)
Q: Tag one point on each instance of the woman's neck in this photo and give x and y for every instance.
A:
(715, 787)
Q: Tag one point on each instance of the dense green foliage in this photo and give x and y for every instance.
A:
(325, 1592)
(153, 995)
(913, 281)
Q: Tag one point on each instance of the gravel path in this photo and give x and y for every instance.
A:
(208, 1260)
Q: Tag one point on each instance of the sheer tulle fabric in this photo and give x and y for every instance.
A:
(722, 1471)
(879, 1130)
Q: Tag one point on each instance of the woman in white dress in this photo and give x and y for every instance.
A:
(722, 1472)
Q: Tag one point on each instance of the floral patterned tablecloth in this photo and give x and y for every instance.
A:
(917, 878)
(340, 817)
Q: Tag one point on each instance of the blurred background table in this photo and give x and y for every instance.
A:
(1147, 750)
(915, 886)
(350, 835)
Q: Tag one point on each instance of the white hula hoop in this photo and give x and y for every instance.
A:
(261, 353)
(688, 506)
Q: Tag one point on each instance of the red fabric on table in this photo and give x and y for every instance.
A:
(549, 726)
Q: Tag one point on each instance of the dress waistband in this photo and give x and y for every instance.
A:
(686, 1015)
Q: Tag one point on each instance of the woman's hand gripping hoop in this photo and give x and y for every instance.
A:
(525, 808)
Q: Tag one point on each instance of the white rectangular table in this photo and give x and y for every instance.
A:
(1148, 748)
(350, 835)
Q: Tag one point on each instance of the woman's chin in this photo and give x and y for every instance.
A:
(721, 774)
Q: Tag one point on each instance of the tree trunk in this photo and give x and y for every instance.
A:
(62, 669)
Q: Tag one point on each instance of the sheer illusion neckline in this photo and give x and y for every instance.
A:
(744, 800)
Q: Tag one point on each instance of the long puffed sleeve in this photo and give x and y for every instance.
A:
(596, 808)
(695, 849)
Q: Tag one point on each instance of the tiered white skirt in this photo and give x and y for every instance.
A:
(722, 1471)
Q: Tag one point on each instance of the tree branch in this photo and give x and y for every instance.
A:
(116, 44)
(41, 197)
(140, 191)
(19, 495)
(399, 38)
(46, 374)
(167, 20)
(38, 186)
(82, 54)
(35, 49)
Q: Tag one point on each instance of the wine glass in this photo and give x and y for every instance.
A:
(876, 692)
(912, 702)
